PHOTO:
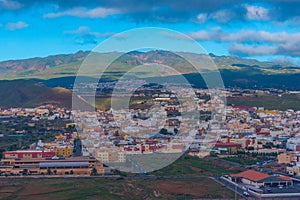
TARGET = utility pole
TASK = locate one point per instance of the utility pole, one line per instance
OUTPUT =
(235, 195)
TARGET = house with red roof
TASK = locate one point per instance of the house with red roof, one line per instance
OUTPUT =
(255, 178)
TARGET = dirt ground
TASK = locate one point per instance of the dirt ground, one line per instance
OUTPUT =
(107, 188)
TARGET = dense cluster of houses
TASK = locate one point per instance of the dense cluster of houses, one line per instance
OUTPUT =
(202, 124)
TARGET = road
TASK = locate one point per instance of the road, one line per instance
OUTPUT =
(232, 187)
(240, 191)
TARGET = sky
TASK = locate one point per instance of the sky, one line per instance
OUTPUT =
(267, 30)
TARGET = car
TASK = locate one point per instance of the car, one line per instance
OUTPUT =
(269, 190)
(245, 193)
(280, 187)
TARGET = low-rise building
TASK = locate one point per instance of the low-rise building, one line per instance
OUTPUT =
(108, 155)
(28, 154)
(286, 158)
(227, 147)
(255, 178)
(63, 151)
(293, 170)
(74, 165)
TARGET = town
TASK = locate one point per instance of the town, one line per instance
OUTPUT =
(264, 142)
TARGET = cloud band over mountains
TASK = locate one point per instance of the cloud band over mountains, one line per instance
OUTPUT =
(169, 10)
(254, 42)
(244, 27)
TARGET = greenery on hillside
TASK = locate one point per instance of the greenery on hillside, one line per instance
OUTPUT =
(68, 64)
(24, 93)
(284, 102)
(187, 165)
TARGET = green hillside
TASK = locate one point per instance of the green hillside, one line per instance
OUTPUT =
(68, 64)
(24, 93)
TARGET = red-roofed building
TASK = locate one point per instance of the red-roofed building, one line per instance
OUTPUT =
(221, 144)
(28, 154)
(252, 177)
(286, 178)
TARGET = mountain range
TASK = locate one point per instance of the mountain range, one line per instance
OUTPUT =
(37, 81)
(67, 64)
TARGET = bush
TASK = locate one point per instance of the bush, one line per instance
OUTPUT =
(250, 148)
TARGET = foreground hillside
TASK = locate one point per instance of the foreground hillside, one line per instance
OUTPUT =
(24, 93)
(102, 188)
(187, 178)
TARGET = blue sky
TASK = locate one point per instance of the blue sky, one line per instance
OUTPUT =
(265, 30)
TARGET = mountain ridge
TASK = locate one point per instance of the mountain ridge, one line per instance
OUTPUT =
(67, 64)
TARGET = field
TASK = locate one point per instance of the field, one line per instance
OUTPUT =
(271, 102)
(108, 188)
(187, 178)
(208, 166)
(290, 101)
(104, 102)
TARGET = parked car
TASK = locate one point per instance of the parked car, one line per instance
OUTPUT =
(245, 193)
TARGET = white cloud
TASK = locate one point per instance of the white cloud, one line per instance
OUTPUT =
(257, 13)
(223, 16)
(84, 30)
(12, 26)
(80, 30)
(9, 5)
(240, 12)
(248, 36)
(201, 18)
(201, 35)
(84, 35)
(286, 50)
(286, 60)
(252, 50)
(82, 12)
(279, 43)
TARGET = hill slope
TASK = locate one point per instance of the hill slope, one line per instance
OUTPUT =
(24, 93)
(68, 64)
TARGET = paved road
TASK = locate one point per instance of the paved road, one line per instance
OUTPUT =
(232, 187)
(240, 191)
(141, 176)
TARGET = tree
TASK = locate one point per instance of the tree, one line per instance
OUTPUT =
(250, 148)
(25, 172)
(163, 131)
(49, 172)
(94, 172)
(176, 131)
(1, 151)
